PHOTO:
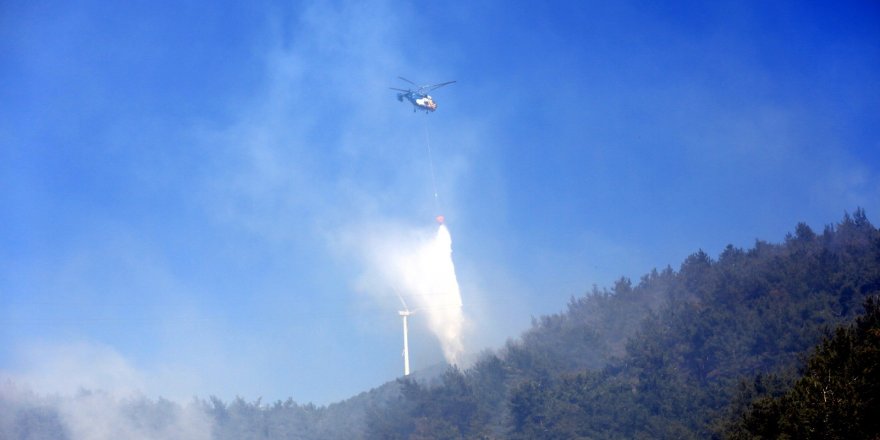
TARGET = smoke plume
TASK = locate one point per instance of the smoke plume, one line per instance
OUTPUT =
(417, 265)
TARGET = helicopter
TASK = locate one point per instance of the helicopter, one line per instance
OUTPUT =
(419, 97)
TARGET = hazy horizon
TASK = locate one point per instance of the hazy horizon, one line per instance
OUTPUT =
(196, 198)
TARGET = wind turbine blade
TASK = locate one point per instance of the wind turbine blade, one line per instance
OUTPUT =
(405, 307)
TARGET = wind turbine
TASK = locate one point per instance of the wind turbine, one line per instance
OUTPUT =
(404, 314)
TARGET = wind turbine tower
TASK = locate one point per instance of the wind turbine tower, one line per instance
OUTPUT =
(404, 314)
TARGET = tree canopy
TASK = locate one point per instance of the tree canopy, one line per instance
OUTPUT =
(781, 340)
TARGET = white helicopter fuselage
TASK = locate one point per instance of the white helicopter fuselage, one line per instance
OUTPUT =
(419, 101)
(426, 103)
(419, 97)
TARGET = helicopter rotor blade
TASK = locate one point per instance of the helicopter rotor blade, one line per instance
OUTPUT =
(400, 90)
(408, 81)
(436, 86)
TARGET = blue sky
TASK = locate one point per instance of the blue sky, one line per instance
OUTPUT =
(190, 192)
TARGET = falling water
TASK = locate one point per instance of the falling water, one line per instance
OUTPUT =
(417, 265)
(442, 297)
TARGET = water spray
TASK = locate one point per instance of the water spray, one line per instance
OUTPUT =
(424, 272)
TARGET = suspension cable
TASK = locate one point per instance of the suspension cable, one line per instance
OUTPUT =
(431, 164)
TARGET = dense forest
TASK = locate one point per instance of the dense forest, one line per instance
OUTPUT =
(672, 356)
(778, 341)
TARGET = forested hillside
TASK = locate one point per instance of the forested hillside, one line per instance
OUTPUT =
(667, 358)
(779, 339)
(837, 396)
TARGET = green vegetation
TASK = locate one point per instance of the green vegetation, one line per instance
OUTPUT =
(670, 357)
(777, 341)
(837, 396)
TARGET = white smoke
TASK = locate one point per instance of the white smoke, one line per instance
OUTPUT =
(417, 265)
(97, 415)
(89, 391)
